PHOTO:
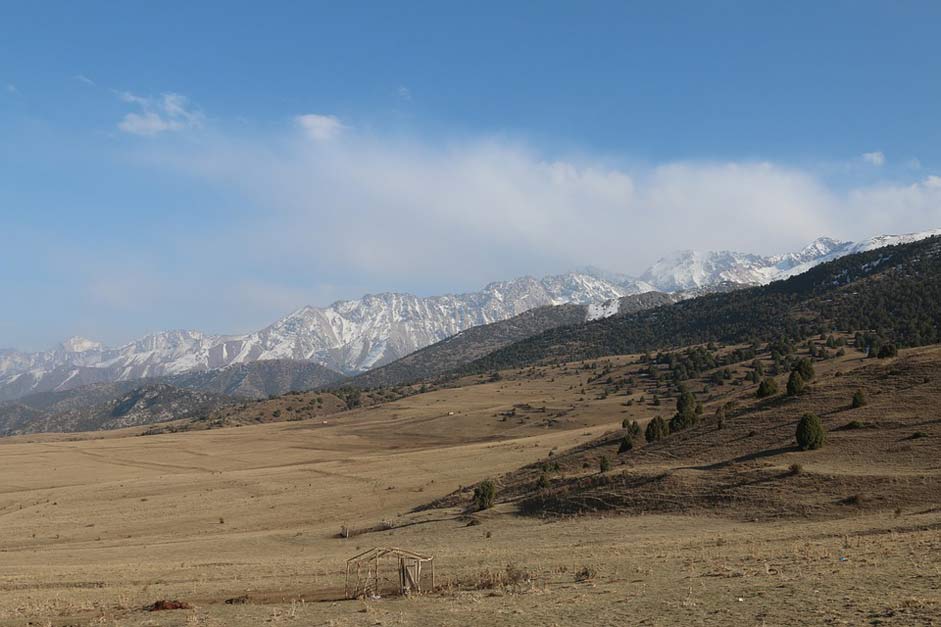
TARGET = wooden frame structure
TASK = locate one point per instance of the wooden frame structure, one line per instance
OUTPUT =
(364, 578)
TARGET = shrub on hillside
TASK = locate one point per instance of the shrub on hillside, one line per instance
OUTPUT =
(720, 417)
(543, 481)
(687, 412)
(604, 464)
(767, 387)
(795, 383)
(810, 433)
(888, 350)
(485, 494)
(633, 430)
(858, 399)
(585, 573)
(626, 445)
(657, 429)
(681, 421)
(806, 369)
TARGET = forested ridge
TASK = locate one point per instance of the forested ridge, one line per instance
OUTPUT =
(893, 292)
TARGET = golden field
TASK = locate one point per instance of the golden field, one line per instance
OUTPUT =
(97, 526)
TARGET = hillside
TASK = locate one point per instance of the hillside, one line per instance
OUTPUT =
(468, 345)
(243, 525)
(895, 292)
(290, 407)
(746, 465)
(144, 405)
(892, 295)
(181, 397)
(463, 348)
(259, 379)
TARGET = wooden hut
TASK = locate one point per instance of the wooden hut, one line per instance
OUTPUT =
(370, 573)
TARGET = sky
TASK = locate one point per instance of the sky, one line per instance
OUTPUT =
(215, 165)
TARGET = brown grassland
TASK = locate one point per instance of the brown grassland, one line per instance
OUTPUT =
(712, 526)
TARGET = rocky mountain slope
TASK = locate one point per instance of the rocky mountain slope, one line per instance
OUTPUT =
(145, 401)
(476, 342)
(357, 335)
(348, 336)
(77, 410)
(258, 379)
(470, 344)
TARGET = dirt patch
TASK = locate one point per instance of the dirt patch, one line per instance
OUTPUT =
(162, 605)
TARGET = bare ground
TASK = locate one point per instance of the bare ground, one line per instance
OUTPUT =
(96, 529)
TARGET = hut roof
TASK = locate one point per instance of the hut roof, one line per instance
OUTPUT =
(382, 551)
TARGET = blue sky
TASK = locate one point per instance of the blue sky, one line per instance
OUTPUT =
(215, 165)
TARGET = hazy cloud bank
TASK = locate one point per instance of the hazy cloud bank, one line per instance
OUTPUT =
(473, 210)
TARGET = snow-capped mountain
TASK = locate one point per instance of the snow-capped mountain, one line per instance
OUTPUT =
(348, 336)
(690, 269)
(356, 335)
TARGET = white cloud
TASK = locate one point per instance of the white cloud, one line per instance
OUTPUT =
(404, 92)
(320, 127)
(416, 214)
(11, 88)
(890, 207)
(308, 222)
(874, 158)
(148, 123)
(169, 112)
(84, 79)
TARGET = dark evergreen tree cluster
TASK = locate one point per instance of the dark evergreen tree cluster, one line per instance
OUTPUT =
(687, 414)
(657, 429)
(693, 362)
(767, 387)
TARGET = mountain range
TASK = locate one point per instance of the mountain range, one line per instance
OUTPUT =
(354, 336)
(886, 297)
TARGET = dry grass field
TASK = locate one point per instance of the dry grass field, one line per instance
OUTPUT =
(95, 527)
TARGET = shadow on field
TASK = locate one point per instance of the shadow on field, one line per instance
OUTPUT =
(771, 452)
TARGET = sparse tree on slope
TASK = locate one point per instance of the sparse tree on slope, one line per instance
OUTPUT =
(810, 433)
(657, 429)
(767, 387)
(795, 383)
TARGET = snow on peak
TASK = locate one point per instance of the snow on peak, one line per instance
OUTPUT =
(690, 269)
(892, 240)
(693, 269)
(354, 335)
(820, 247)
(347, 336)
(78, 344)
(596, 311)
